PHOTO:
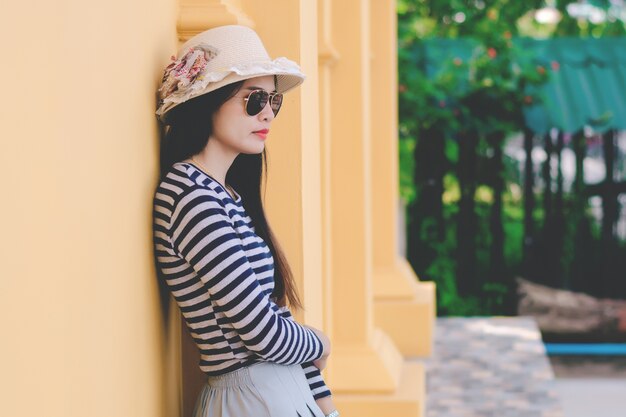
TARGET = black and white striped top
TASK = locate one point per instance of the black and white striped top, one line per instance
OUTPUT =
(221, 275)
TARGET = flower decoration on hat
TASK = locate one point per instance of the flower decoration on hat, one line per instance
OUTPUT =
(182, 72)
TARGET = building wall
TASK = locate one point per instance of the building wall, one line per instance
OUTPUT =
(82, 324)
(87, 329)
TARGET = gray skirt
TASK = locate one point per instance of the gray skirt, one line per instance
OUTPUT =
(263, 389)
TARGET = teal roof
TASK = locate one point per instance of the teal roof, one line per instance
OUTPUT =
(588, 86)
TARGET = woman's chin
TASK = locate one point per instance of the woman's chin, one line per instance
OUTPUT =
(252, 148)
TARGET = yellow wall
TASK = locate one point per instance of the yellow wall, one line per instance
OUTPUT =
(81, 320)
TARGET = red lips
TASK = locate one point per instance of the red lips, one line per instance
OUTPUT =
(262, 133)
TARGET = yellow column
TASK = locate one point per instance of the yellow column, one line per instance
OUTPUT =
(196, 16)
(366, 370)
(399, 297)
(293, 178)
(327, 57)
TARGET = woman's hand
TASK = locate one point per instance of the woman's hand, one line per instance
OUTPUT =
(326, 404)
(321, 362)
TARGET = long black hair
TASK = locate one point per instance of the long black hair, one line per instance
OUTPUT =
(189, 126)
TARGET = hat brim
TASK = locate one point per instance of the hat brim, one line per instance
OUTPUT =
(284, 82)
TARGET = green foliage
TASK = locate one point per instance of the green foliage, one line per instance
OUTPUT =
(407, 164)
(452, 151)
(514, 232)
(483, 92)
(443, 272)
(581, 27)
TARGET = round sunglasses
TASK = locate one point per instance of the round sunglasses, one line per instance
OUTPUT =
(258, 99)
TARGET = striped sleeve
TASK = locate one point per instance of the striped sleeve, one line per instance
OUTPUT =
(203, 234)
(318, 387)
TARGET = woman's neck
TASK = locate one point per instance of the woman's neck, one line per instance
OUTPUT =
(216, 159)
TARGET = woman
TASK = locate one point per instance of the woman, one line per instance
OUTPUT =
(213, 245)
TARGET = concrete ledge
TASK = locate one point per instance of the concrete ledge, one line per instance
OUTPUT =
(374, 368)
(409, 322)
(407, 401)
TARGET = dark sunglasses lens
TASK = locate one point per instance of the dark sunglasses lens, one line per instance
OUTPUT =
(276, 102)
(256, 102)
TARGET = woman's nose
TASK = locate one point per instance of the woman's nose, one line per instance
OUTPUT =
(267, 114)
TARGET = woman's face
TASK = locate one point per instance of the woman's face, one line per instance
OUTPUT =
(233, 127)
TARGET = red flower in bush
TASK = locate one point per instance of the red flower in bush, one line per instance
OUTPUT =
(492, 53)
(555, 65)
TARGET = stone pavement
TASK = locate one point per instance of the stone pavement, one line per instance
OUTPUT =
(488, 367)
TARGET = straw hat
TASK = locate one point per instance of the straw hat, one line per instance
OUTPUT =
(217, 57)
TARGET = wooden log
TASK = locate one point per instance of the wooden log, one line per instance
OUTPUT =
(564, 315)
